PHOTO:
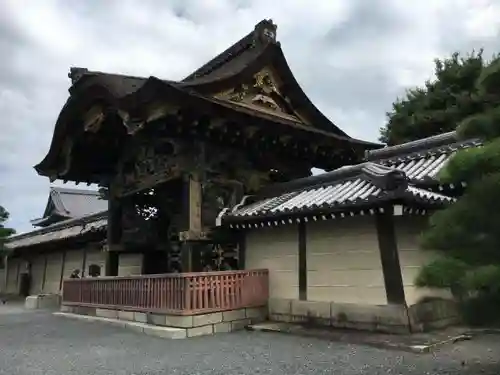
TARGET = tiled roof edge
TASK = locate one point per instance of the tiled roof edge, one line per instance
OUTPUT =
(222, 58)
(414, 146)
(75, 191)
(382, 176)
(61, 225)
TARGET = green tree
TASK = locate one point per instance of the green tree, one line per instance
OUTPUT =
(4, 233)
(467, 233)
(440, 104)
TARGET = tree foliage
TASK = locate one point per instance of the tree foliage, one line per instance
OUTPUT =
(4, 233)
(440, 104)
(467, 233)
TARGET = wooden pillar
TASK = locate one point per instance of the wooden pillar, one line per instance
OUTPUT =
(111, 263)
(187, 257)
(84, 261)
(192, 203)
(114, 225)
(242, 250)
(114, 230)
(44, 271)
(302, 242)
(6, 278)
(18, 271)
(191, 226)
(389, 256)
(63, 265)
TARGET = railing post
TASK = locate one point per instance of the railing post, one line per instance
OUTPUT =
(187, 293)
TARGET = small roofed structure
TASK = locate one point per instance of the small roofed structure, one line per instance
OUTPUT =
(404, 174)
(64, 203)
(71, 235)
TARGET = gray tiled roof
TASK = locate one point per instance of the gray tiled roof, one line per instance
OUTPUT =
(78, 203)
(64, 203)
(355, 186)
(422, 160)
(63, 230)
(404, 172)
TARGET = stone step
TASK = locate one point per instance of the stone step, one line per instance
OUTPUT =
(148, 329)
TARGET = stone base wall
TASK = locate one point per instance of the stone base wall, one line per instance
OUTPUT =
(42, 301)
(195, 325)
(434, 314)
(379, 318)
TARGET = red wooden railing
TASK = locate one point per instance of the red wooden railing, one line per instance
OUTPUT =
(177, 294)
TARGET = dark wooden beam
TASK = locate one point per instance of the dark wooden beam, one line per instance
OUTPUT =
(63, 264)
(389, 256)
(84, 261)
(302, 229)
(111, 263)
(242, 250)
(115, 222)
(44, 271)
(18, 270)
(187, 257)
(6, 267)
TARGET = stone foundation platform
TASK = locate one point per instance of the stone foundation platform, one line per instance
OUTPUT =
(43, 302)
(421, 317)
(173, 326)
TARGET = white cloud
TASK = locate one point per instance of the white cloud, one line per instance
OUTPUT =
(353, 57)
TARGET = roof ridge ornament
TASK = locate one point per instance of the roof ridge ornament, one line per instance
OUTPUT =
(385, 178)
(265, 32)
(76, 73)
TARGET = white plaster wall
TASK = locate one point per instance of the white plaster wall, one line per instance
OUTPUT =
(95, 256)
(12, 277)
(73, 261)
(130, 264)
(37, 270)
(412, 258)
(53, 272)
(275, 248)
(343, 262)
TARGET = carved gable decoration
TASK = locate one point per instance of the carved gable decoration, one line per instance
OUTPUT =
(261, 94)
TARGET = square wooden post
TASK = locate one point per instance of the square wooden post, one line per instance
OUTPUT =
(389, 256)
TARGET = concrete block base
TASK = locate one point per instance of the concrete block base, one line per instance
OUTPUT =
(164, 332)
(379, 318)
(43, 301)
(171, 326)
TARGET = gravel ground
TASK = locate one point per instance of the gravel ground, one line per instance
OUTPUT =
(40, 343)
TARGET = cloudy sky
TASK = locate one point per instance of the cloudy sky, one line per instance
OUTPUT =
(352, 57)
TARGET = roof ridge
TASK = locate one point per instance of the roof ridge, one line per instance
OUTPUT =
(62, 225)
(380, 175)
(261, 31)
(64, 190)
(76, 73)
(413, 146)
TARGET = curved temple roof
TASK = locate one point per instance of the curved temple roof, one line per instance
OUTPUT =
(208, 86)
(64, 203)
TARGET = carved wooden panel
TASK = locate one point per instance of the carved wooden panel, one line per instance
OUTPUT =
(261, 93)
(148, 164)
